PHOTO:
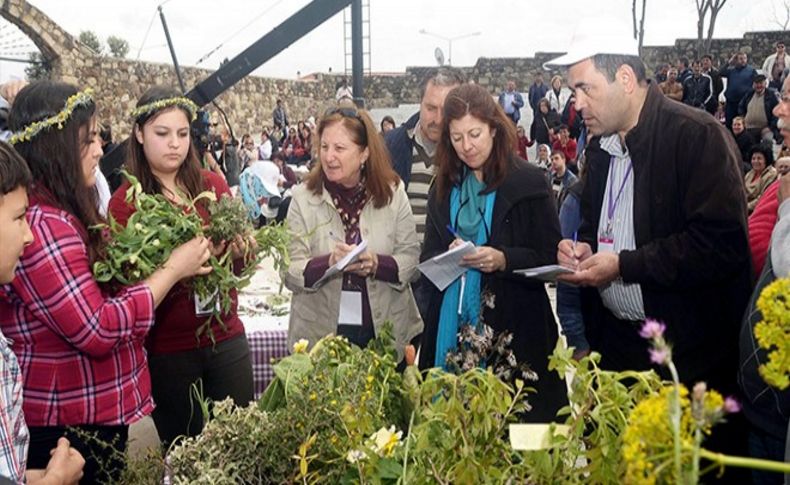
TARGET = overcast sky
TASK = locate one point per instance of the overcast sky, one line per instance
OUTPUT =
(508, 28)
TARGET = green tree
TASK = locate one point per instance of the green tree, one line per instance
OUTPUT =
(90, 39)
(118, 46)
(39, 67)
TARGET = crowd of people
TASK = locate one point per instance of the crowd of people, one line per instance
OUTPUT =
(661, 209)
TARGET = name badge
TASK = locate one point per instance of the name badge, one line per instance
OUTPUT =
(350, 308)
(206, 306)
(605, 244)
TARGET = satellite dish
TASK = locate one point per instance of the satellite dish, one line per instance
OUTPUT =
(439, 55)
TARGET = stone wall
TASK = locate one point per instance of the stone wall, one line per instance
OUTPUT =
(248, 104)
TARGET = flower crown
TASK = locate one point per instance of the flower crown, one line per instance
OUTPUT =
(82, 98)
(179, 101)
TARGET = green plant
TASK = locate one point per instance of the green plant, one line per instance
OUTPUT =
(134, 251)
(118, 47)
(773, 332)
(320, 406)
(229, 219)
(600, 402)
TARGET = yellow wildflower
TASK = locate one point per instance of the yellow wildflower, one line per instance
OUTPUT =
(300, 346)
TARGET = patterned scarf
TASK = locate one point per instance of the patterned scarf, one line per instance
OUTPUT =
(349, 203)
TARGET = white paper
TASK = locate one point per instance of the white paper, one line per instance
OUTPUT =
(206, 306)
(531, 437)
(350, 308)
(544, 273)
(349, 258)
(446, 267)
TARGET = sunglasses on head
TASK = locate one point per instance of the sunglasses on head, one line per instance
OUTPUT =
(345, 112)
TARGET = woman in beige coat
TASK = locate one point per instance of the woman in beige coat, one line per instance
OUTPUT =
(352, 196)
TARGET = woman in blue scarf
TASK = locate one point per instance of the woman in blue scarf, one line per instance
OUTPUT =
(507, 210)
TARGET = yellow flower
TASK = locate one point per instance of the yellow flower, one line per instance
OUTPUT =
(300, 346)
(385, 440)
(773, 332)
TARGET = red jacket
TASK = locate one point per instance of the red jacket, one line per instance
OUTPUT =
(569, 149)
(523, 144)
(176, 321)
(761, 225)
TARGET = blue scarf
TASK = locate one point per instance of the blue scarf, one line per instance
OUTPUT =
(473, 217)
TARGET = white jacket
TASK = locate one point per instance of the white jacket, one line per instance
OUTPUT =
(768, 65)
(558, 103)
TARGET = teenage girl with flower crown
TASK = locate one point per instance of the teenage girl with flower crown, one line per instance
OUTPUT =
(163, 158)
(80, 349)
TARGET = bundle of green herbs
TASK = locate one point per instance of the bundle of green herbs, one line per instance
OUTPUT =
(158, 226)
(321, 405)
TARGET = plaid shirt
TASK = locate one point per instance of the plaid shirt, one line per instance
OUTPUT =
(81, 352)
(13, 431)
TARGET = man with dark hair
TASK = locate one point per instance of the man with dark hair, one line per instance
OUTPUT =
(775, 65)
(280, 119)
(661, 72)
(697, 89)
(757, 108)
(683, 69)
(537, 92)
(412, 145)
(567, 145)
(672, 88)
(739, 77)
(663, 231)
(512, 102)
(65, 466)
(716, 84)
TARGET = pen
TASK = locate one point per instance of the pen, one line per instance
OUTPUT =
(336, 239)
(453, 231)
(575, 238)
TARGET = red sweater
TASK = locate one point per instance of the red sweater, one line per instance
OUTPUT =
(176, 321)
(569, 149)
(761, 225)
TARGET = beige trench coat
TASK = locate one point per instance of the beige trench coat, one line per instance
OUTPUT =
(389, 230)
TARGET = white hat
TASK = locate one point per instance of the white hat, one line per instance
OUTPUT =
(269, 175)
(597, 35)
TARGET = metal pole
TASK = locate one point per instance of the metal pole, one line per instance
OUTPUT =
(172, 51)
(357, 59)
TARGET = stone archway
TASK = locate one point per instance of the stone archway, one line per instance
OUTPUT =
(55, 44)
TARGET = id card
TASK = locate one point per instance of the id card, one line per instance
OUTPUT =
(350, 308)
(605, 244)
(206, 306)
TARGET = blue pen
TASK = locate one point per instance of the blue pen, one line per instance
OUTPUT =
(453, 231)
(575, 238)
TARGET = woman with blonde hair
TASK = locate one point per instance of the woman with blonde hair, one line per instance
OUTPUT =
(558, 95)
(352, 197)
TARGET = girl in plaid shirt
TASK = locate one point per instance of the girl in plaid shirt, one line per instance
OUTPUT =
(80, 350)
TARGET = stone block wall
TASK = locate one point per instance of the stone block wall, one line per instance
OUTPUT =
(249, 103)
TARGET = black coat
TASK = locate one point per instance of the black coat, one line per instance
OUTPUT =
(539, 131)
(525, 227)
(692, 255)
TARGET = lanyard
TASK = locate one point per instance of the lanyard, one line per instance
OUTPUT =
(612, 205)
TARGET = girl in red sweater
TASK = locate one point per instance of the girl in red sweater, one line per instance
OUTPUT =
(164, 160)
